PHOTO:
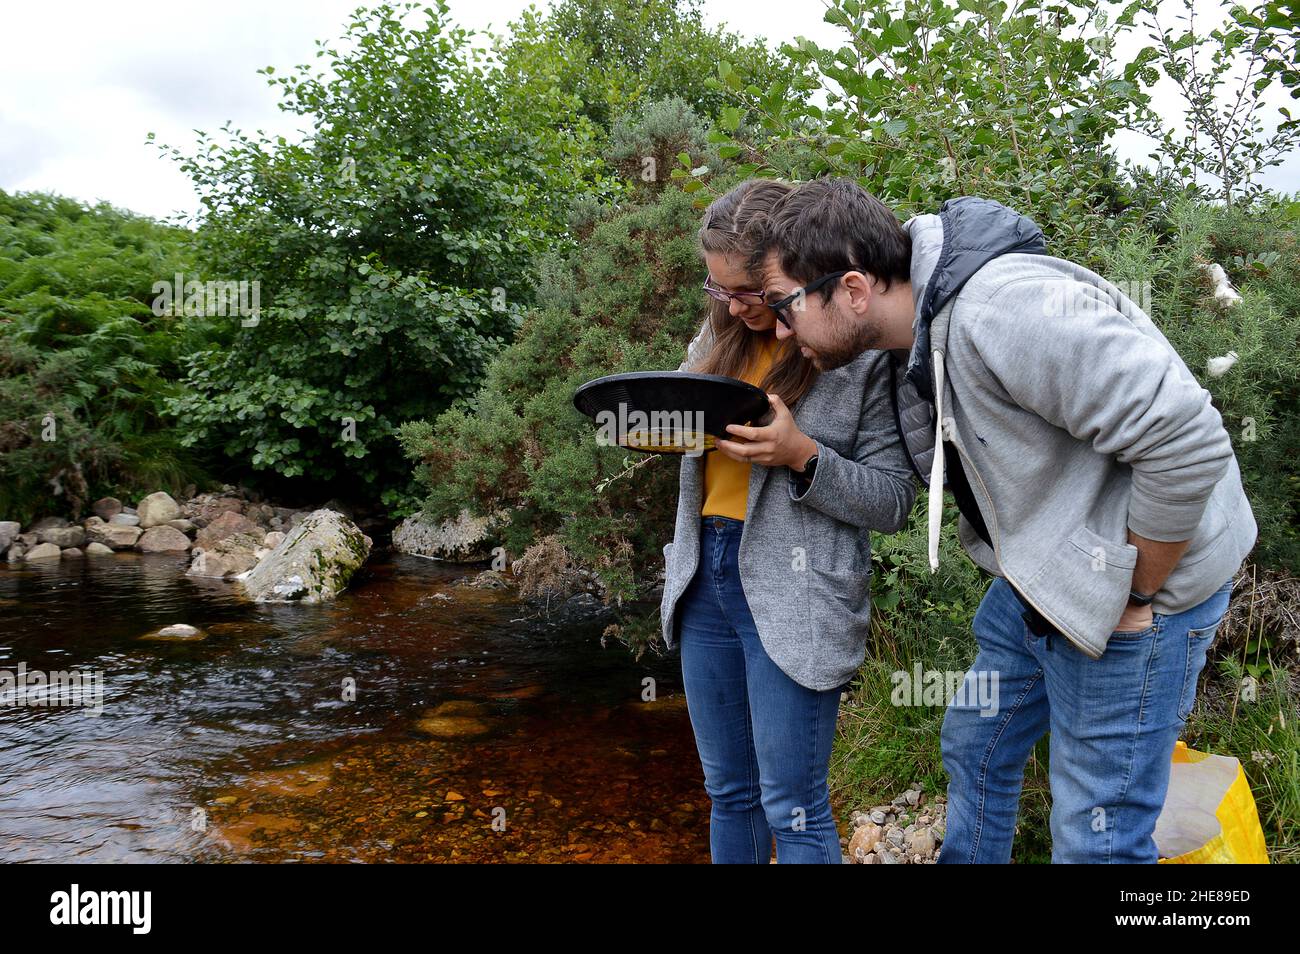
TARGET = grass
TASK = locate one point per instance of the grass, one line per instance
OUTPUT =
(882, 747)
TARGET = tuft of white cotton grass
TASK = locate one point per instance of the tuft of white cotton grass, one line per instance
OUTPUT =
(1218, 367)
(1224, 293)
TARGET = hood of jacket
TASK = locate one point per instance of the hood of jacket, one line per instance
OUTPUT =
(947, 249)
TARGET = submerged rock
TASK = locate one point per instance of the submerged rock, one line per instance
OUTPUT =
(453, 719)
(313, 563)
(176, 633)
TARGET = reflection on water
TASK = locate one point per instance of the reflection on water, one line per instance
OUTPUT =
(473, 734)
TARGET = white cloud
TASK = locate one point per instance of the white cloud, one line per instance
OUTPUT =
(82, 83)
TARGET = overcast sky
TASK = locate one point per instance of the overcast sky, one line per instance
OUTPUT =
(83, 82)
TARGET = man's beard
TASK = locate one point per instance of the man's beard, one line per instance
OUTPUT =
(846, 339)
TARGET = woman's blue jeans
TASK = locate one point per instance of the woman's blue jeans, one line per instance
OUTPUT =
(1113, 723)
(764, 740)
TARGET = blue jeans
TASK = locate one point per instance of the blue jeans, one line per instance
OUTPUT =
(1113, 723)
(764, 740)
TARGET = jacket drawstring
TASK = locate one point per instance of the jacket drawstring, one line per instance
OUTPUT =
(936, 465)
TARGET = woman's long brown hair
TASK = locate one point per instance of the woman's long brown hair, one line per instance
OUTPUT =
(726, 222)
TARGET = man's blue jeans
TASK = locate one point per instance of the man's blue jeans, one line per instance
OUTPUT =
(1113, 723)
(764, 740)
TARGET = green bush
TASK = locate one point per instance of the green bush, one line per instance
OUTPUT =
(1259, 396)
(629, 301)
(85, 365)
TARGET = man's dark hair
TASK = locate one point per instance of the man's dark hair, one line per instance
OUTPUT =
(830, 225)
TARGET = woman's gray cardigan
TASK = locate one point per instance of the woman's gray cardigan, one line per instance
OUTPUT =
(805, 560)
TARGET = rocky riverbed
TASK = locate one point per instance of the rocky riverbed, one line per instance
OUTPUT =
(276, 553)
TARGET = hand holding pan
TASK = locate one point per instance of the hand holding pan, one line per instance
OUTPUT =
(668, 412)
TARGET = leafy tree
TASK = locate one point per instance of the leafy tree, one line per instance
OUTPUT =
(609, 55)
(1221, 74)
(393, 247)
(925, 99)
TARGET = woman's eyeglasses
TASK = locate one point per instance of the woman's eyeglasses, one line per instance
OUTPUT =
(745, 297)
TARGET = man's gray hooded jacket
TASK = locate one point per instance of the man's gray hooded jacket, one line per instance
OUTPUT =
(1074, 420)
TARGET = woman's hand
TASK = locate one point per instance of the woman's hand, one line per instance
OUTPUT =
(778, 443)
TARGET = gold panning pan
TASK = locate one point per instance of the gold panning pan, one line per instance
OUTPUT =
(668, 412)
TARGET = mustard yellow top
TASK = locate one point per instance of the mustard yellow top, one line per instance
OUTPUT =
(726, 481)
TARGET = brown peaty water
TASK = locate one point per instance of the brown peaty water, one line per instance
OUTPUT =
(474, 733)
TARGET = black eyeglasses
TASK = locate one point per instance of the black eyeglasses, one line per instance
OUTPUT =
(782, 307)
(745, 297)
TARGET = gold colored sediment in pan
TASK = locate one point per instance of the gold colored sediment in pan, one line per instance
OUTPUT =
(669, 442)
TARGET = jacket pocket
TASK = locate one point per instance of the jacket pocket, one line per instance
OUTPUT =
(1103, 552)
(843, 591)
(1082, 587)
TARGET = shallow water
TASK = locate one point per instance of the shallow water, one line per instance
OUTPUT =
(475, 733)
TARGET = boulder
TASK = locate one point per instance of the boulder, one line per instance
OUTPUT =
(72, 552)
(205, 508)
(157, 509)
(467, 539)
(63, 537)
(124, 519)
(28, 539)
(93, 521)
(273, 539)
(9, 530)
(181, 524)
(163, 539)
(106, 508)
(115, 536)
(261, 514)
(16, 552)
(227, 524)
(47, 523)
(229, 556)
(98, 549)
(313, 563)
(43, 551)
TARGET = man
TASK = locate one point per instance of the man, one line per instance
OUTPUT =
(1094, 478)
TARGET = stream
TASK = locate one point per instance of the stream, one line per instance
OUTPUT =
(477, 731)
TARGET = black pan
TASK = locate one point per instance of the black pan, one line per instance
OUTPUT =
(668, 412)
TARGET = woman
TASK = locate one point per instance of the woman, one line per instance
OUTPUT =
(767, 578)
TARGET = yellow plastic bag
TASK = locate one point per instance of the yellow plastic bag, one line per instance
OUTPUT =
(1209, 816)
